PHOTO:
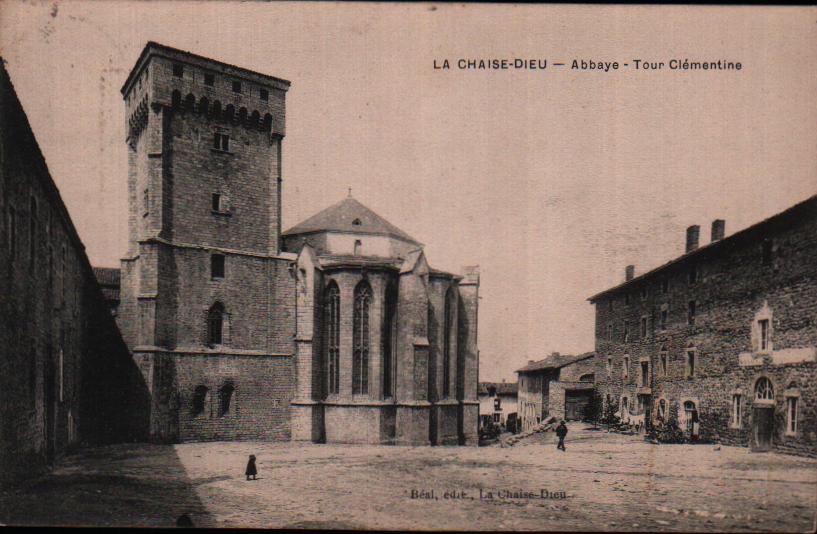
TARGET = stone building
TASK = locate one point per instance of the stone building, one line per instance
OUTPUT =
(337, 330)
(385, 345)
(560, 386)
(725, 332)
(66, 377)
(497, 403)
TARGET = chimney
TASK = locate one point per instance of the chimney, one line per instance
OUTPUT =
(629, 273)
(692, 237)
(555, 354)
(718, 229)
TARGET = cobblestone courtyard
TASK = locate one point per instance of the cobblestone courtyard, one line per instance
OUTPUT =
(610, 482)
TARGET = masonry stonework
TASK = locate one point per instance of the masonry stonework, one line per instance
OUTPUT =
(717, 323)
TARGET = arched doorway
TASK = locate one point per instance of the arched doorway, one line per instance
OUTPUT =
(762, 415)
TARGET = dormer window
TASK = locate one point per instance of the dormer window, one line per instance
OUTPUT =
(209, 79)
(263, 94)
(178, 70)
(236, 87)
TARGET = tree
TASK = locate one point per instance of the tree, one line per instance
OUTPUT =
(610, 418)
(593, 410)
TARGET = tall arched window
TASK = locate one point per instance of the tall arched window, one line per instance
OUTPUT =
(447, 330)
(360, 339)
(225, 397)
(388, 337)
(199, 400)
(215, 324)
(764, 390)
(332, 337)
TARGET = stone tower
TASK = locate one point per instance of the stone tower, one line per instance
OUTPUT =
(207, 306)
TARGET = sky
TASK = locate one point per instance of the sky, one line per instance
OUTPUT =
(552, 180)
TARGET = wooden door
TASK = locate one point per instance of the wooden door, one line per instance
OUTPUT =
(762, 428)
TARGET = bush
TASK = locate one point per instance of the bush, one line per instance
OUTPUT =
(610, 418)
(668, 431)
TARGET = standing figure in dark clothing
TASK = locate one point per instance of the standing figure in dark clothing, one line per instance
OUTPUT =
(561, 431)
(251, 469)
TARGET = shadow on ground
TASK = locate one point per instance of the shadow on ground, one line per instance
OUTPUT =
(108, 486)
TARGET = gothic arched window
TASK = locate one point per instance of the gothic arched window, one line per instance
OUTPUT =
(360, 339)
(447, 330)
(199, 400)
(332, 333)
(764, 390)
(225, 395)
(215, 324)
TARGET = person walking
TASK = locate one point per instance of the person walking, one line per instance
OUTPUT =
(561, 432)
(251, 470)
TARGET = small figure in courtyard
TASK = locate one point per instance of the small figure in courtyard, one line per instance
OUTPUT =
(561, 432)
(251, 469)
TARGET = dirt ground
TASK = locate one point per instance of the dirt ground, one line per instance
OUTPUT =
(602, 482)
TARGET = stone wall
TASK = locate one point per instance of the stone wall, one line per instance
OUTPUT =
(66, 377)
(766, 272)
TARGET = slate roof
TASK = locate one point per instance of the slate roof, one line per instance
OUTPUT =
(555, 361)
(806, 208)
(502, 388)
(109, 281)
(340, 217)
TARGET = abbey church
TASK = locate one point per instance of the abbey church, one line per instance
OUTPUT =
(336, 330)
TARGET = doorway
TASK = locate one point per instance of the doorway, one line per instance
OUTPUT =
(762, 428)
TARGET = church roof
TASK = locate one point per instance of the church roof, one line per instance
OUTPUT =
(349, 216)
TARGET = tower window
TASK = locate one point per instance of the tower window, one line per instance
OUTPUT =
(221, 141)
(625, 368)
(220, 203)
(215, 324)
(664, 314)
(690, 367)
(665, 285)
(643, 328)
(764, 334)
(199, 400)
(209, 79)
(236, 87)
(356, 222)
(264, 94)
(145, 202)
(358, 247)
(691, 312)
(225, 397)
(626, 336)
(217, 266)
(178, 70)
(448, 330)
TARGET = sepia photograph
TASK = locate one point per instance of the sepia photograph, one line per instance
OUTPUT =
(408, 266)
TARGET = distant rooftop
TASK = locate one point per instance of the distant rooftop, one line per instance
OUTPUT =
(555, 361)
(501, 388)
